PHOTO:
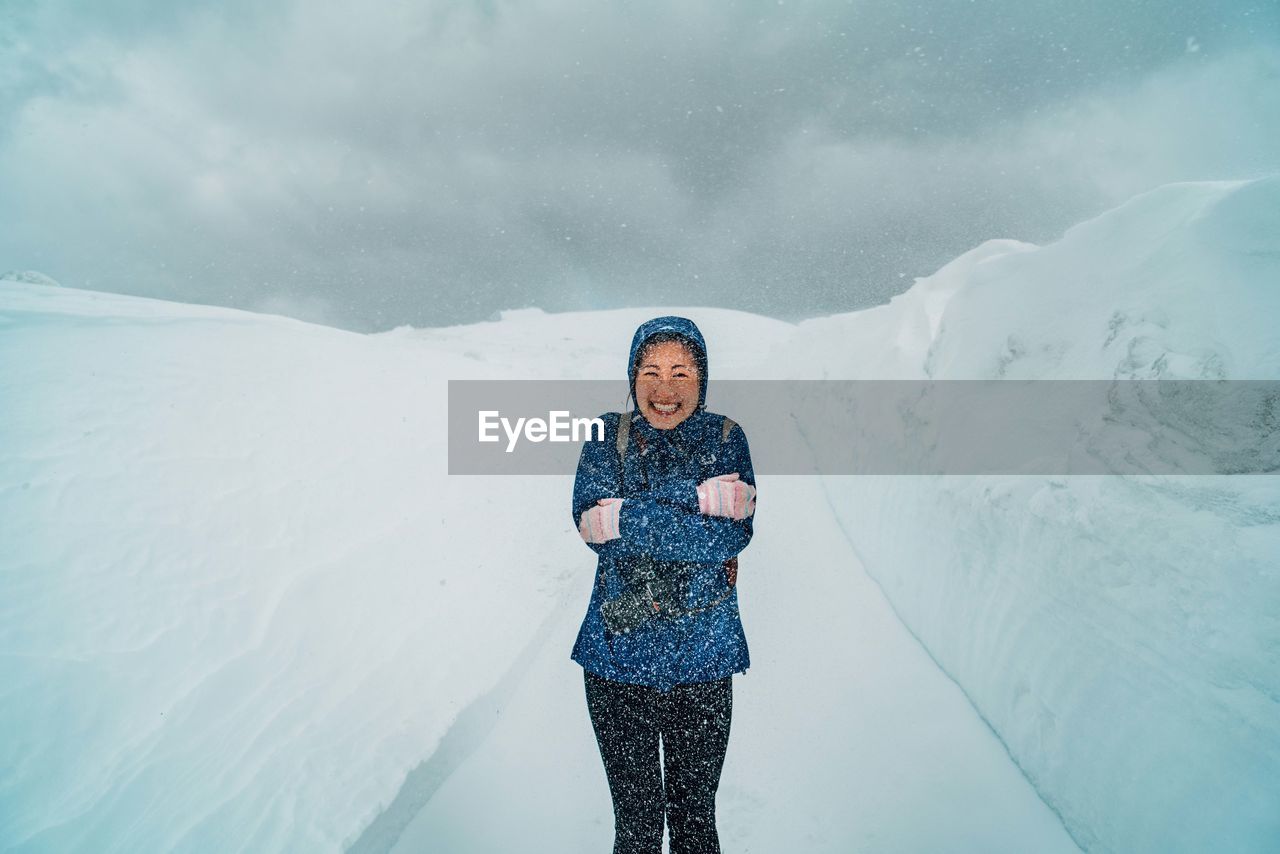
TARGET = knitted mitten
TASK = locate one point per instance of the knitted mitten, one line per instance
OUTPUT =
(726, 495)
(600, 523)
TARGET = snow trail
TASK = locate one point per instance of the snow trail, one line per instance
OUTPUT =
(845, 732)
(464, 736)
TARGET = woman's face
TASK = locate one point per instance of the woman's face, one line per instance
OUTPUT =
(667, 384)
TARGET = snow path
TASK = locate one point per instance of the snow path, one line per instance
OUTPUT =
(846, 735)
(244, 600)
(468, 731)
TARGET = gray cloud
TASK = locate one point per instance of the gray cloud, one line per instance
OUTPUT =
(372, 166)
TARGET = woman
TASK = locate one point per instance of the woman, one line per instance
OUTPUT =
(666, 500)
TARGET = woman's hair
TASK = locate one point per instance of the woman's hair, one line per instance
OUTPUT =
(663, 337)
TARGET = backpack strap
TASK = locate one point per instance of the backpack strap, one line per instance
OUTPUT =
(624, 431)
(726, 428)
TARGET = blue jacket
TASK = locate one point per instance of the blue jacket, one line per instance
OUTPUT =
(660, 518)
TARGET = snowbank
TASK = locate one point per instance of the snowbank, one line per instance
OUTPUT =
(1121, 634)
(243, 599)
(242, 596)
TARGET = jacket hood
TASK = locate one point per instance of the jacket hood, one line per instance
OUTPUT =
(682, 326)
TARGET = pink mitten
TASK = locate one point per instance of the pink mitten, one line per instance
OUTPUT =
(726, 495)
(600, 523)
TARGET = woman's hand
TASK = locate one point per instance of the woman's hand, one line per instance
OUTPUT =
(600, 523)
(726, 495)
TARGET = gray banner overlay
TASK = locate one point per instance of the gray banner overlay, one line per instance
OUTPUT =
(804, 427)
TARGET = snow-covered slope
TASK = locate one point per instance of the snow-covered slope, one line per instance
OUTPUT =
(242, 596)
(1121, 634)
(246, 608)
(845, 734)
(222, 533)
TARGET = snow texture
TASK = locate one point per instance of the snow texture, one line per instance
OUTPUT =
(33, 277)
(1120, 634)
(246, 608)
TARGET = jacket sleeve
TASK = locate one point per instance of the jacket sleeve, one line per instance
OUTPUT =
(597, 478)
(662, 522)
(665, 523)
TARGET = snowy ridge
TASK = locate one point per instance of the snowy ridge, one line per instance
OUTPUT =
(243, 598)
(1120, 634)
(246, 609)
(193, 581)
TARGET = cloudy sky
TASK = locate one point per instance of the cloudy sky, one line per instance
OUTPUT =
(369, 165)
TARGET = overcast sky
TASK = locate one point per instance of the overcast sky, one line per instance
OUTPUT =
(369, 165)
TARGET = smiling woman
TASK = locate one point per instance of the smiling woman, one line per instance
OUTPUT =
(667, 500)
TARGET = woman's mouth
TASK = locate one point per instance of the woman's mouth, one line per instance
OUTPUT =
(665, 408)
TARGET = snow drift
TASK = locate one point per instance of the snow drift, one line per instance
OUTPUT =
(243, 599)
(1121, 634)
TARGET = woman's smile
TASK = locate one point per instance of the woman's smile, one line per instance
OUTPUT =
(664, 410)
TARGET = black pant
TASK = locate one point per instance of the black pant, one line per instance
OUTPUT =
(693, 722)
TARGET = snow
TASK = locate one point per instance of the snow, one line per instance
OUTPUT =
(845, 736)
(34, 277)
(1119, 633)
(247, 609)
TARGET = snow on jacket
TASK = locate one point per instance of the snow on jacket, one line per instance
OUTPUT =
(660, 519)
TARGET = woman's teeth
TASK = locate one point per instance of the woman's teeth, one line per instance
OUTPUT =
(666, 408)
